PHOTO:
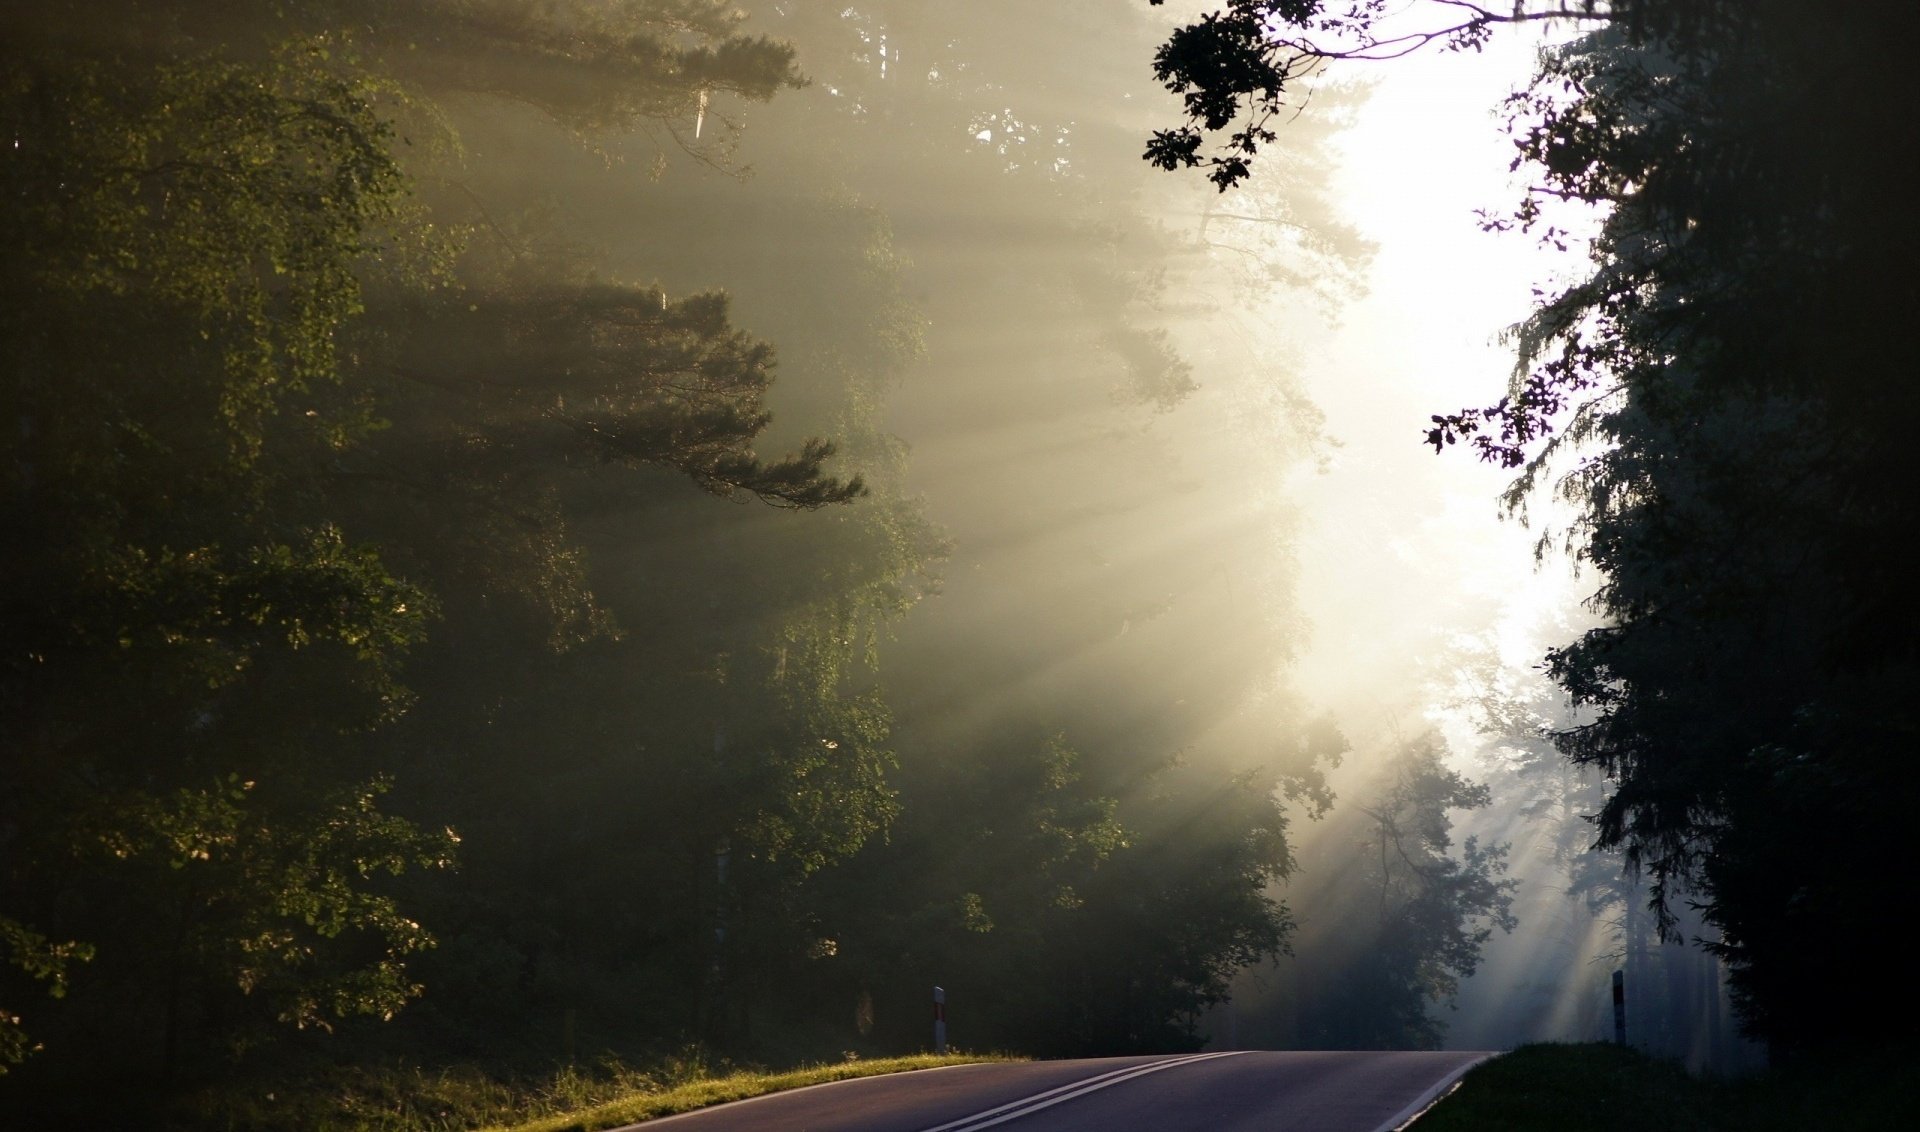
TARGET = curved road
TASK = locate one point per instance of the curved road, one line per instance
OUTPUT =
(1214, 1092)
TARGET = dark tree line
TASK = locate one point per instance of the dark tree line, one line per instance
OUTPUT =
(1726, 400)
(1585, 915)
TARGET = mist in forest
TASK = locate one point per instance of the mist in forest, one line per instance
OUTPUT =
(596, 530)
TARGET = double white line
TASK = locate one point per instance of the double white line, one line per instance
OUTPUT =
(1013, 1110)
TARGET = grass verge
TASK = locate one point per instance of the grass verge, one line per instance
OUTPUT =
(731, 1087)
(1605, 1088)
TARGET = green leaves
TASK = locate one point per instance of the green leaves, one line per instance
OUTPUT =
(264, 445)
(238, 201)
(263, 893)
(188, 243)
(43, 960)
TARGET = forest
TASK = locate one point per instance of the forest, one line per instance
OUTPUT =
(586, 535)
(1719, 404)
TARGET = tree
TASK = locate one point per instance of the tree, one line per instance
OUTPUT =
(218, 283)
(1741, 494)
(669, 69)
(182, 251)
(1721, 401)
(1239, 68)
(1586, 915)
(1076, 924)
(1427, 912)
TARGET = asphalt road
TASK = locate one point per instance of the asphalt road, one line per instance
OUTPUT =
(1209, 1092)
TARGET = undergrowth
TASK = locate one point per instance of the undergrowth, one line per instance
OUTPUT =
(1605, 1088)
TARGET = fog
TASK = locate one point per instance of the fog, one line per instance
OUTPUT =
(822, 539)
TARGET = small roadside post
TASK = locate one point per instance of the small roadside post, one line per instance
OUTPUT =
(939, 1020)
(1620, 1008)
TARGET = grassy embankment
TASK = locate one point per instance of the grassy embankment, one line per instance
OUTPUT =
(731, 1087)
(361, 1098)
(1604, 1088)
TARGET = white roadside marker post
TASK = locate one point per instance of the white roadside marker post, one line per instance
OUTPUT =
(1620, 1008)
(939, 1020)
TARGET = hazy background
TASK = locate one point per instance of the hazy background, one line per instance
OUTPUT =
(1107, 645)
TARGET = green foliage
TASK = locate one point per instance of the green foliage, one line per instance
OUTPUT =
(404, 1095)
(44, 961)
(1578, 1087)
(222, 209)
(1073, 924)
(561, 373)
(217, 286)
(721, 1089)
(1441, 910)
(1241, 67)
(185, 244)
(1715, 360)
(1177, 913)
(261, 901)
(1723, 405)
(1427, 912)
(595, 69)
(362, 493)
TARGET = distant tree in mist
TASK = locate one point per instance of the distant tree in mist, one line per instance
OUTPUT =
(1413, 911)
(1586, 916)
(1062, 928)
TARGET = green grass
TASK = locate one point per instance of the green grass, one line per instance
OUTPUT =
(1604, 1088)
(399, 1096)
(731, 1087)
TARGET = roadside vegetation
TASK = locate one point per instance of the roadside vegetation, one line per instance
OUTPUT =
(738, 1086)
(1604, 1088)
(606, 1093)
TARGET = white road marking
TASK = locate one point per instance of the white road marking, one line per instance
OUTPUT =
(1426, 1100)
(654, 1122)
(1014, 1109)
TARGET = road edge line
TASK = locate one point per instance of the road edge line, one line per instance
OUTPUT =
(657, 1121)
(1431, 1097)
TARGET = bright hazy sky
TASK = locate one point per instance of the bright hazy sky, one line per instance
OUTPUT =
(1404, 548)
